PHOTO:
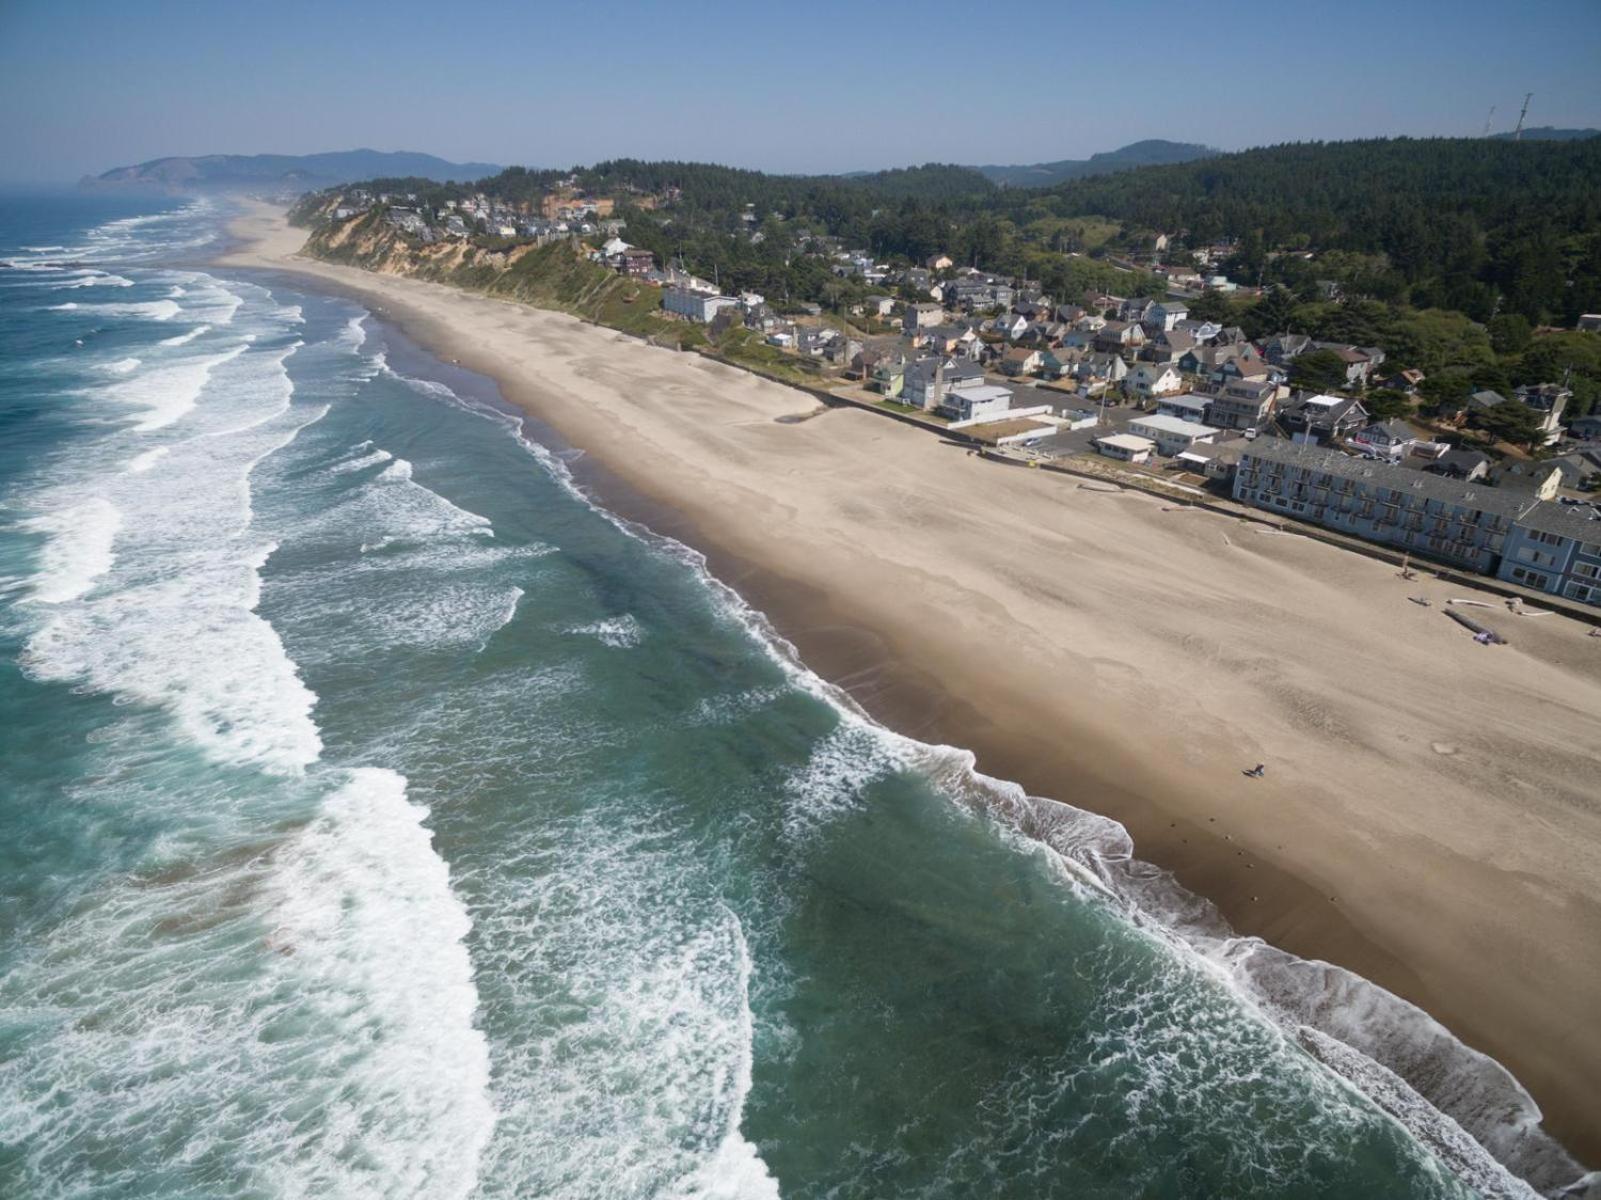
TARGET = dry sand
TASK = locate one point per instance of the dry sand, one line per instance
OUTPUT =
(1431, 813)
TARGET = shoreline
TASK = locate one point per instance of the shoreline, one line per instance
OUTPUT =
(964, 604)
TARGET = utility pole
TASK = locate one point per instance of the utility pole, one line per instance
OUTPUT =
(1517, 134)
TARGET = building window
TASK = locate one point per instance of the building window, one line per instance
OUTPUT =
(1531, 578)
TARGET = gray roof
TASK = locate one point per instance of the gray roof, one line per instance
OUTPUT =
(1250, 388)
(1377, 474)
(1463, 459)
(923, 369)
(1395, 429)
(1579, 522)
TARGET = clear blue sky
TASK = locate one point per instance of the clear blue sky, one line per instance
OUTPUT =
(823, 86)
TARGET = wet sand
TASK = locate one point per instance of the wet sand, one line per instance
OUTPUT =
(1431, 813)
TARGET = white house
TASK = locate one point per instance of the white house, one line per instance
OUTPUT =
(1125, 447)
(1010, 326)
(1165, 315)
(983, 400)
(1172, 435)
(697, 306)
(1153, 379)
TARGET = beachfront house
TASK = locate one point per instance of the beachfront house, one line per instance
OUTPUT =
(975, 403)
(888, 377)
(1125, 447)
(1216, 461)
(696, 306)
(1463, 524)
(1556, 548)
(1172, 435)
(926, 382)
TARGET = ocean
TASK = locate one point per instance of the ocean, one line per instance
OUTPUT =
(380, 816)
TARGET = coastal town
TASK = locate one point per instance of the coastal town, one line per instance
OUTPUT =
(1145, 388)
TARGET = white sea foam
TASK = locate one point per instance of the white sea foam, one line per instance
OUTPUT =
(123, 366)
(79, 549)
(638, 1081)
(152, 310)
(620, 633)
(210, 301)
(301, 1021)
(434, 563)
(140, 463)
(183, 339)
(99, 279)
(371, 459)
(168, 391)
(362, 908)
(298, 1017)
(354, 334)
(173, 624)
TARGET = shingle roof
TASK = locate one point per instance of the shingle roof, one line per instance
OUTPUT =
(1375, 474)
(1564, 520)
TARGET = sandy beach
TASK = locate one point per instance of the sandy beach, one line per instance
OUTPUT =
(1431, 813)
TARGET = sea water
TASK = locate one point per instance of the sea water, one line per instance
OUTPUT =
(381, 817)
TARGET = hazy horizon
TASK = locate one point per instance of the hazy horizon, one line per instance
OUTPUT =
(834, 89)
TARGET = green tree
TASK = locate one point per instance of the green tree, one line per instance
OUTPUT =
(1269, 315)
(1387, 403)
(1511, 422)
(1211, 306)
(1510, 333)
(1318, 371)
(1446, 392)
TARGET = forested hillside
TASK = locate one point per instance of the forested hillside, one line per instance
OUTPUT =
(1476, 225)
(1137, 154)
